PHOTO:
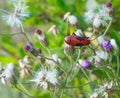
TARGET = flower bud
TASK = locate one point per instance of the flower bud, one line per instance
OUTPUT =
(38, 32)
(30, 48)
(43, 40)
(54, 30)
(73, 20)
(109, 7)
(114, 44)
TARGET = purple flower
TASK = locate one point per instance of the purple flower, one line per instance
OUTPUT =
(29, 47)
(108, 4)
(38, 31)
(86, 64)
(39, 51)
(107, 45)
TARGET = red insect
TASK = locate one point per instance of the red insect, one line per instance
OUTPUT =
(74, 40)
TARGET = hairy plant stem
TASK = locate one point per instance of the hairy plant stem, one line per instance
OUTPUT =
(70, 71)
(10, 34)
(107, 28)
(118, 65)
(25, 35)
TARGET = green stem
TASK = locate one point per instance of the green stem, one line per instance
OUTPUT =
(61, 95)
(107, 28)
(26, 92)
(10, 34)
(85, 73)
(25, 35)
(67, 29)
(118, 65)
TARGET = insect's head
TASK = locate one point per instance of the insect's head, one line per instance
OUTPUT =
(67, 39)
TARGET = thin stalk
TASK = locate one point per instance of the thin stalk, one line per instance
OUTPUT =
(26, 92)
(85, 73)
(9, 34)
(118, 65)
(107, 28)
(54, 94)
(61, 95)
(74, 65)
(25, 35)
(67, 29)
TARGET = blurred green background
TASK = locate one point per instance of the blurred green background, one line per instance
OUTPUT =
(43, 14)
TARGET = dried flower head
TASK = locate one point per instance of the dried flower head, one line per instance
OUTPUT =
(17, 16)
(71, 19)
(8, 74)
(45, 76)
(25, 67)
(54, 30)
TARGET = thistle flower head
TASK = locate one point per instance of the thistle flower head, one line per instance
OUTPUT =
(17, 16)
(29, 47)
(25, 67)
(45, 76)
(38, 32)
(71, 19)
(8, 74)
(43, 40)
(89, 16)
(86, 64)
(108, 4)
(54, 30)
(107, 45)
